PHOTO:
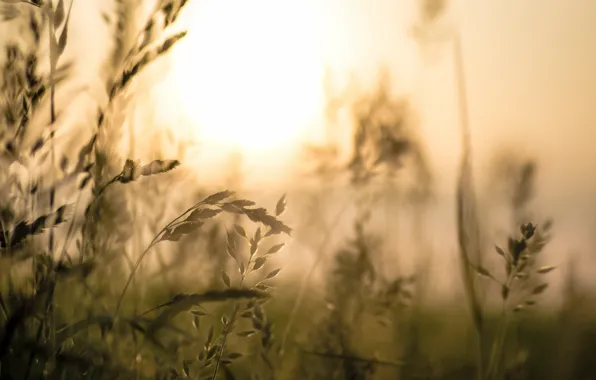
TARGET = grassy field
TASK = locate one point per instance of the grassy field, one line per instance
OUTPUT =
(108, 273)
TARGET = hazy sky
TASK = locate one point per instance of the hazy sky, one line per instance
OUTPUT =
(530, 69)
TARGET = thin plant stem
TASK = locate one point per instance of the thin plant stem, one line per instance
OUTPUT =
(497, 347)
(465, 190)
(227, 325)
(134, 269)
(70, 231)
(155, 240)
(53, 61)
(224, 338)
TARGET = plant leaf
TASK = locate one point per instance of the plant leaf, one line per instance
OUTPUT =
(241, 203)
(24, 229)
(546, 269)
(540, 288)
(59, 14)
(259, 263)
(130, 171)
(500, 251)
(186, 368)
(483, 271)
(254, 246)
(260, 215)
(275, 248)
(230, 207)
(231, 246)
(262, 287)
(240, 230)
(203, 213)
(281, 206)
(273, 274)
(225, 278)
(159, 166)
(217, 197)
(64, 35)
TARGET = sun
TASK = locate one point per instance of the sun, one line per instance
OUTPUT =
(249, 73)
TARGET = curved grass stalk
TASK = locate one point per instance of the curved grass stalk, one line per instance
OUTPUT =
(134, 270)
(467, 218)
(155, 240)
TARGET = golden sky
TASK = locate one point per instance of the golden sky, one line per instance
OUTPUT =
(531, 75)
(529, 69)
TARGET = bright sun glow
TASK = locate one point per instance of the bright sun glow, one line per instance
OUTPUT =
(250, 72)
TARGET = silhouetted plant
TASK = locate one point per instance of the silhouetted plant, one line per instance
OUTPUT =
(39, 339)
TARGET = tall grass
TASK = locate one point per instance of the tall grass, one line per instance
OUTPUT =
(41, 339)
(208, 310)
